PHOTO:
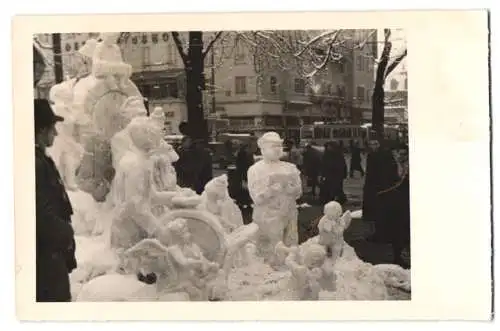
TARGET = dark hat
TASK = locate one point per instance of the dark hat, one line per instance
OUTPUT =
(44, 115)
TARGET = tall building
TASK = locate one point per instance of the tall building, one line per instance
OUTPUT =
(253, 97)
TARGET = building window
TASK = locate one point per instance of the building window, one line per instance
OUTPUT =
(368, 66)
(135, 40)
(164, 36)
(240, 85)
(154, 38)
(83, 42)
(394, 84)
(341, 66)
(144, 38)
(299, 86)
(406, 83)
(361, 93)
(368, 95)
(239, 57)
(274, 84)
(359, 63)
(145, 56)
(68, 47)
(77, 46)
(227, 93)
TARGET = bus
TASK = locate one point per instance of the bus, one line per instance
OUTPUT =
(321, 133)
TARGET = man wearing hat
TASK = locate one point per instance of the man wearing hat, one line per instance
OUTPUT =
(55, 244)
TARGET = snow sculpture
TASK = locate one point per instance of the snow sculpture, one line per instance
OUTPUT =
(66, 151)
(216, 199)
(274, 187)
(107, 62)
(132, 190)
(103, 107)
(187, 256)
(309, 272)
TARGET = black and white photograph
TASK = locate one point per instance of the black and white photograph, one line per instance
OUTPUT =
(232, 165)
(228, 165)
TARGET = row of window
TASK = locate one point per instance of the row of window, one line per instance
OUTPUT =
(364, 63)
(144, 38)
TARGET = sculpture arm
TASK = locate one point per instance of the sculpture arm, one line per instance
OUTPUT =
(257, 187)
(137, 186)
(178, 256)
(108, 61)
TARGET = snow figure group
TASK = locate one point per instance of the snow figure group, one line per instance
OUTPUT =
(132, 220)
(336, 272)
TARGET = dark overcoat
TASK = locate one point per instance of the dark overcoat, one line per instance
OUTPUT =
(55, 243)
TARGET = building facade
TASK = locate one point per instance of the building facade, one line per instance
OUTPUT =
(252, 99)
(249, 96)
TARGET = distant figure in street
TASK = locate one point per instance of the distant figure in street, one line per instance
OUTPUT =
(204, 168)
(55, 243)
(311, 167)
(355, 159)
(381, 174)
(295, 156)
(228, 153)
(394, 203)
(244, 160)
(333, 173)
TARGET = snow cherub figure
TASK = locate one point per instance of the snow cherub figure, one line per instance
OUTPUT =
(274, 187)
(309, 272)
(331, 229)
(107, 62)
(191, 272)
(216, 199)
(66, 151)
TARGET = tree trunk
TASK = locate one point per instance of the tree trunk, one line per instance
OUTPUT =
(378, 90)
(195, 84)
(58, 65)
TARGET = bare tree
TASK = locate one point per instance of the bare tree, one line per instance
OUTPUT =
(193, 55)
(384, 68)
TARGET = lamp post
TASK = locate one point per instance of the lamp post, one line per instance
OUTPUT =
(58, 65)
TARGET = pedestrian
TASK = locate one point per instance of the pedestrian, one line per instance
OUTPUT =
(333, 172)
(381, 173)
(244, 160)
(394, 204)
(355, 164)
(204, 170)
(311, 167)
(55, 243)
(295, 155)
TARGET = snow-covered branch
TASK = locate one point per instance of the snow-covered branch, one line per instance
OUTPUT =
(178, 44)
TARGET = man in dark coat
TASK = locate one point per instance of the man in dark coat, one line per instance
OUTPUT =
(333, 173)
(394, 204)
(55, 244)
(355, 160)
(311, 161)
(381, 173)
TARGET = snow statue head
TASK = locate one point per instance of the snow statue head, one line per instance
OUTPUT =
(61, 94)
(333, 210)
(271, 146)
(144, 134)
(109, 38)
(87, 53)
(178, 231)
(314, 256)
(158, 116)
(216, 189)
(132, 107)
